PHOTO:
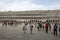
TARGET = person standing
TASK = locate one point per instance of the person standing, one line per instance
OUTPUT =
(46, 27)
(38, 26)
(43, 25)
(55, 29)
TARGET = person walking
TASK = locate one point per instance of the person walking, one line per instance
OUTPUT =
(55, 29)
(31, 27)
(25, 28)
(49, 26)
(40, 26)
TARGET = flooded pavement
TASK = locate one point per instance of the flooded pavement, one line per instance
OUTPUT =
(16, 33)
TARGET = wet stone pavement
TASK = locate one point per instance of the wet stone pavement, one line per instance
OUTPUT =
(16, 33)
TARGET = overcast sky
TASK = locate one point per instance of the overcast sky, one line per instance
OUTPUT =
(21, 5)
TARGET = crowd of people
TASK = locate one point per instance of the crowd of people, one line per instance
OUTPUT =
(6, 23)
(40, 25)
(46, 26)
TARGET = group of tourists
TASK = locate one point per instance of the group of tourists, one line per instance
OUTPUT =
(45, 26)
(30, 26)
(38, 25)
(9, 23)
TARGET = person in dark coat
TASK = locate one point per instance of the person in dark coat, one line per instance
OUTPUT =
(55, 29)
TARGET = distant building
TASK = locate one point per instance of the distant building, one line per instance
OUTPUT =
(46, 15)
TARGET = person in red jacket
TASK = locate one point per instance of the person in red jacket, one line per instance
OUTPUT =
(46, 27)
